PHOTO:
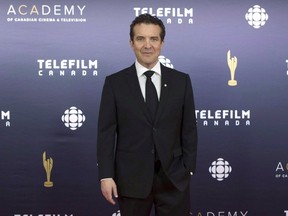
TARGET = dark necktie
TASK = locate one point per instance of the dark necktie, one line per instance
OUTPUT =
(151, 94)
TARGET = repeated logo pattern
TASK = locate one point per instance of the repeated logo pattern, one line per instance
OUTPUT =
(73, 118)
(165, 61)
(256, 16)
(220, 169)
(117, 213)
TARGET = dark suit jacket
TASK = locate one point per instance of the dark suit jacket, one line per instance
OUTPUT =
(127, 134)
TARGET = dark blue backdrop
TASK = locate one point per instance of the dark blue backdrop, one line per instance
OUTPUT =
(248, 153)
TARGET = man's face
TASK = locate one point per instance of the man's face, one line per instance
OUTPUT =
(147, 44)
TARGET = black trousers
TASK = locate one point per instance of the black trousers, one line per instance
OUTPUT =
(166, 198)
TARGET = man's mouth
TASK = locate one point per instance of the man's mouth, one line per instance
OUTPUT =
(147, 53)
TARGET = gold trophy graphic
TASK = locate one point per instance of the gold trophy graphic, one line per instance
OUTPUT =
(48, 165)
(232, 63)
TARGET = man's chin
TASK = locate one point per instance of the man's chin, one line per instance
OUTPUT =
(150, 61)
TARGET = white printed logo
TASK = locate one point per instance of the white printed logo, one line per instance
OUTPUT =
(5, 117)
(169, 15)
(73, 118)
(256, 16)
(282, 170)
(287, 66)
(117, 213)
(165, 61)
(220, 169)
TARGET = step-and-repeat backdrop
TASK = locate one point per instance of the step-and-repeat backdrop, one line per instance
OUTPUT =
(54, 56)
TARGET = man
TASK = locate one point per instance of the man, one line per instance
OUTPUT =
(146, 148)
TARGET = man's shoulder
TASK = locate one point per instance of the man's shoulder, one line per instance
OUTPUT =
(173, 72)
(122, 72)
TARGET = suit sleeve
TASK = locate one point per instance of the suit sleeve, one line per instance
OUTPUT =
(107, 124)
(189, 129)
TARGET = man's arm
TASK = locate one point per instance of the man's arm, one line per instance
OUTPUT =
(106, 132)
(189, 129)
(106, 142)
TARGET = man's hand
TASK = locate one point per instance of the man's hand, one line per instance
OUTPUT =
(109, 189)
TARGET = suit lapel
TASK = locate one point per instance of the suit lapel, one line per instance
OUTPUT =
(135, 89)
(164, 95)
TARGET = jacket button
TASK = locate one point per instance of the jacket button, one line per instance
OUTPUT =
(153, 151)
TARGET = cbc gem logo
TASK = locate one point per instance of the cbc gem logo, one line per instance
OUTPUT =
(256, 16)
(73, 118)
(220, 169)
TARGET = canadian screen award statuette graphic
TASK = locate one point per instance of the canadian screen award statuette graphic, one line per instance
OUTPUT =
(220, 169)
(232, 64)
(48, 166)
(73, 118)
(256, 16)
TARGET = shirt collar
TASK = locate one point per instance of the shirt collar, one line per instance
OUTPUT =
(140, 69)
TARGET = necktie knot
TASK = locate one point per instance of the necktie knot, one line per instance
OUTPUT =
(149, 74)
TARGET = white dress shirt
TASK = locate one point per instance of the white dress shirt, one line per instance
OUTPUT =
(156, 78)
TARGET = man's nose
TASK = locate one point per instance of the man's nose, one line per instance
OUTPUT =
(147, 44)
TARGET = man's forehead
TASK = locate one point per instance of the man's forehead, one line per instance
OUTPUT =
(147, 25)
(144, 29)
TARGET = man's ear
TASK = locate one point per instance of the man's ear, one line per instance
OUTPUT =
(131, 42)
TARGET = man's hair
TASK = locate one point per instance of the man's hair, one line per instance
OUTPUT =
(147, 19)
